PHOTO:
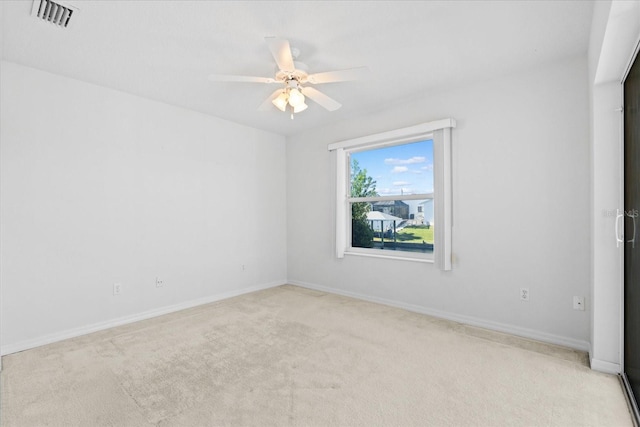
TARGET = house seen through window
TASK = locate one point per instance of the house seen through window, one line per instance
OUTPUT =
(391, 197)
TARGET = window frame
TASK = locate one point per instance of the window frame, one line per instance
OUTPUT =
(440, 132)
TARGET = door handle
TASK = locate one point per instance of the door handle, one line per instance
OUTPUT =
(633, 216)
(617, 230)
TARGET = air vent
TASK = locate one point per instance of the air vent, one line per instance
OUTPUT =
(54, 12)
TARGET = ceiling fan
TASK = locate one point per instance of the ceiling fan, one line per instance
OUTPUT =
(291, 76)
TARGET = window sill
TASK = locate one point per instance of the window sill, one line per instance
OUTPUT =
(395, 257)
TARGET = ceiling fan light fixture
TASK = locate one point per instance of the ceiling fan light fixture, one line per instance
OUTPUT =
(281, 101)
(296, 98)
(300, 108)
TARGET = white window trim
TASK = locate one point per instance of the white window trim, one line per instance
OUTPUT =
(440, 132)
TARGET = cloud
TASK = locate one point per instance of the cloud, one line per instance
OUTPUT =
(400, 183)
(399, 169)
(427, 167)
(394, 191)
(411, 161)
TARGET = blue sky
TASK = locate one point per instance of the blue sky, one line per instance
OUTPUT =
(401, 169)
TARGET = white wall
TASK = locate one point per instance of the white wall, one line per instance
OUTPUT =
(521, 207)
(99, 187)
(615, 33)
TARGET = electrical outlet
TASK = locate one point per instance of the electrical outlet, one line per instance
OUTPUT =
(578, 303)
(524, 294)
(243, 267)
(117, 288)
(159, 282)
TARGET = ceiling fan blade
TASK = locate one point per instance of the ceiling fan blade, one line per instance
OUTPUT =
(240, 79)
(322, 99)
(338, 76)
(267, 105)
(281, 52)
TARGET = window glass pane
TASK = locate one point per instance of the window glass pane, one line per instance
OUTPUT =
(393, 225)
(399, 225)
(393, 171)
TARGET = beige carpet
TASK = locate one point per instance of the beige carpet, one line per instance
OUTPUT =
(294, 357)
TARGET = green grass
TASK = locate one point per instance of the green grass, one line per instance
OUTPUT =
(412, 234)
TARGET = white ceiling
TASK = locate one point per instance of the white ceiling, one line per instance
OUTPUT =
(164, 50)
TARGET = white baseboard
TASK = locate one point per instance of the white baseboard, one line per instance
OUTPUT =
(467, 320)
(95, 327)
(603, 366)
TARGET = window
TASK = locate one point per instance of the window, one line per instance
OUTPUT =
(394, 194)
(389, 187)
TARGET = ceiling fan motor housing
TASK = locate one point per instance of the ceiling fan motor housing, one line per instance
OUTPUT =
(292, 83)
(300, 73)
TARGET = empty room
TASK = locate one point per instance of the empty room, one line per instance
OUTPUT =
(319, 213)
